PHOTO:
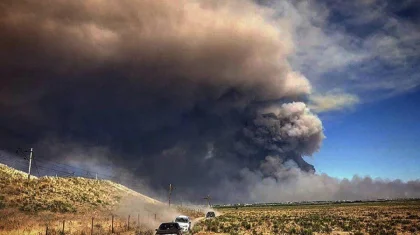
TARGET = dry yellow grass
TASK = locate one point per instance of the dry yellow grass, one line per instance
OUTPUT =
(28, 207)
(61, 194)
(401, 217)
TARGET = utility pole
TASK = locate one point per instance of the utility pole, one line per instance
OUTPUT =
(170, 193)
(30, 164)
(208, 200)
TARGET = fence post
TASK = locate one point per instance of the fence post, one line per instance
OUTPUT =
(155, 216)
(138, 219)
(128, 223)
(112, 224)
(91, 228)
(63, 226)
(46, 230)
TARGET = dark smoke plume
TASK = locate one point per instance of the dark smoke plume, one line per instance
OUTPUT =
(186, 92)
(157, 82)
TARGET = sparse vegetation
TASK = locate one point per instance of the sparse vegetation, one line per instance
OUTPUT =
(385, 218)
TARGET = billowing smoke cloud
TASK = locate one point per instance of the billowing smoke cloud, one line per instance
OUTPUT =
(290, 131)
(185, 92)
(157, 82)
(91, 68)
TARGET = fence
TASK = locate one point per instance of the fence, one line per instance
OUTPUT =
(103, 225)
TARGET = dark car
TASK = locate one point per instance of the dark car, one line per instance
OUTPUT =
(210, 214)
(169, 228)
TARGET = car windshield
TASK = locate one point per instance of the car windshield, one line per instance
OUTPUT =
(181, 220)
(168, 226)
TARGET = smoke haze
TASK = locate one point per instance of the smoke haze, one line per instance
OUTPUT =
(277, 180)
(188, 92)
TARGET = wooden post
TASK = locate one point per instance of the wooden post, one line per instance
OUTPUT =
(112, 224)
(63, 226)
(169, 195)
(128, 223)
(155, 216)
(46, 230)
(138, 220)
(171, 188)
(91, 228)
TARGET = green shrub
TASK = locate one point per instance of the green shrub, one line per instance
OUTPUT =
(306, 232)
(60, 206)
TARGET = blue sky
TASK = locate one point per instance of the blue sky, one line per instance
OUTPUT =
(362, 59)
(378, 139)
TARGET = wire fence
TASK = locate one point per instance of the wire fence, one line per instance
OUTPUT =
(101, 225)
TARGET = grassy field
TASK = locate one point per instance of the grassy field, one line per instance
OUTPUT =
(399, 217)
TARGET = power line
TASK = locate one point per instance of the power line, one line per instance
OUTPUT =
(63, 166)
(21, 163)
(55, 170)
(42, 165)
(36, 167)
(17, 163)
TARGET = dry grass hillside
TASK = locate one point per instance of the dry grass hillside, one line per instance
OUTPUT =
(40, 204)
(61, 194)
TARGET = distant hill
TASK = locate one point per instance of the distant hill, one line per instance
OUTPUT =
(57, 194)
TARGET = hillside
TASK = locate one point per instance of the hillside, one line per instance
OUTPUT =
(58, 194)
(46, 203)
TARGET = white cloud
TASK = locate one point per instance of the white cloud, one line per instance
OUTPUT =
(332, 101)
(378, 54)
